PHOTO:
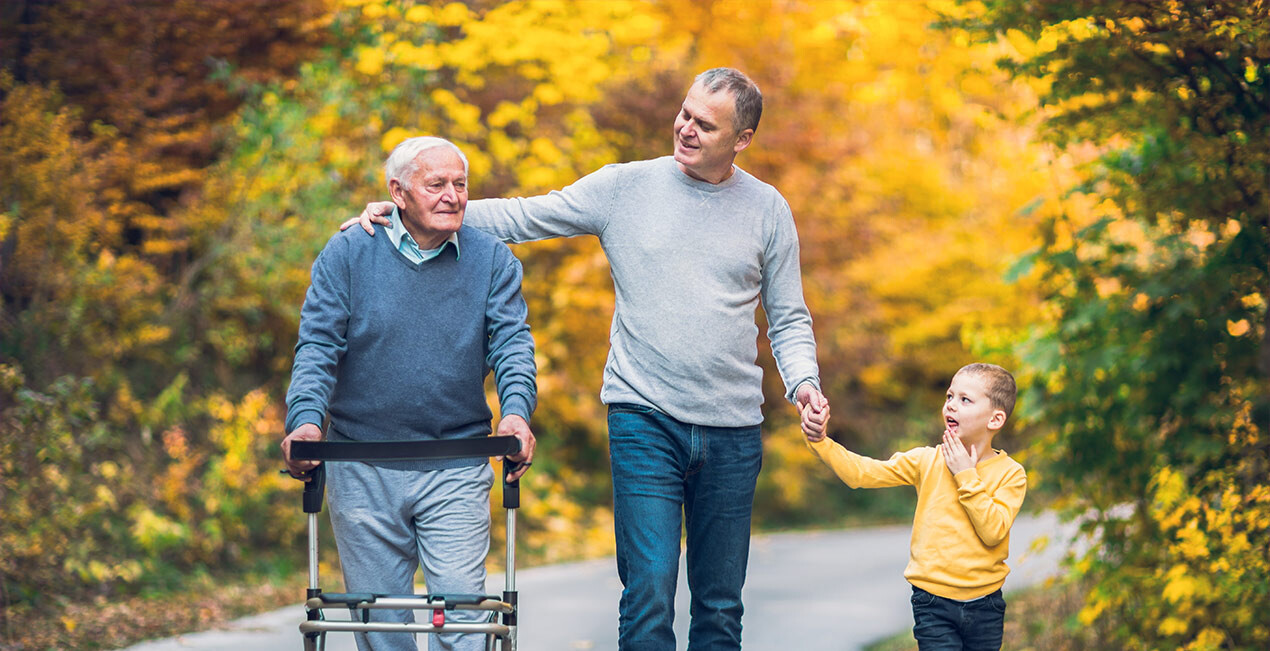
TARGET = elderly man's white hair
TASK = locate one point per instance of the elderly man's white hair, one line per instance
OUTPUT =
(403, 162)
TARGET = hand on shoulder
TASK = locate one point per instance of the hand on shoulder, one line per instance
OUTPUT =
(375, 213)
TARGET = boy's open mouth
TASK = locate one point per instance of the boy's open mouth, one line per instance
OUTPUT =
(951, 422)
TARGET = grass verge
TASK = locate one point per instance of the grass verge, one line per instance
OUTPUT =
(114, 622)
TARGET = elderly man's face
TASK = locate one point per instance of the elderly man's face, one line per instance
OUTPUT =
(706, 142)
(432, 208)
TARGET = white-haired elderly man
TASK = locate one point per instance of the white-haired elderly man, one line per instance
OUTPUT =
(397, 335)
(694, 244)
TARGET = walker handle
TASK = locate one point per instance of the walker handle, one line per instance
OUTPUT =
(314, 489)
(511, 489)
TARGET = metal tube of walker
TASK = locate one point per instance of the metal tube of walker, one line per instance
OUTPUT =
(510, 574)
(313, 552)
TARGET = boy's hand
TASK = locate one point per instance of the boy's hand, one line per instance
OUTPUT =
(373, 214)
(814, 409)
(956, 455)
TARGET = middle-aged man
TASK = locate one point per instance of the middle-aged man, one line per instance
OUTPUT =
(694, 244)
(397, 335)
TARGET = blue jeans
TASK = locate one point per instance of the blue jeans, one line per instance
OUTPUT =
(941, 624)
(665, 470)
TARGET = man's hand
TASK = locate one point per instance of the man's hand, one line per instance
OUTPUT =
(305, 432)
(514, 425)
(814, 409)
(373, 214)
(956, 455)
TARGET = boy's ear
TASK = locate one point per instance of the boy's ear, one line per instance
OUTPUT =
(997, 420)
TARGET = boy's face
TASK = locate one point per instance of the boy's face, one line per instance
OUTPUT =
(967, 411)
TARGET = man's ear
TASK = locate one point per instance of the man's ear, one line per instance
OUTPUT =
(397, 193)
(997, 420)
(743, 140)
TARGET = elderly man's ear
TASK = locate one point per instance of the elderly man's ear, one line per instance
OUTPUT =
(398, 195)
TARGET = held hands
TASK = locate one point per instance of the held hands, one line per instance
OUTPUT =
(814, 409)
(514, 425)
(373, 214)
(956, 454)
(305, 432)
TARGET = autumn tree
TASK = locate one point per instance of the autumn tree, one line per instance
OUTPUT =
(110, 394)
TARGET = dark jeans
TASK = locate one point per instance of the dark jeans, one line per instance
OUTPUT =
(941, 624)
(666, 473)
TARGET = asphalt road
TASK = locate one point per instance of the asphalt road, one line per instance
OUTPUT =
(812, 591)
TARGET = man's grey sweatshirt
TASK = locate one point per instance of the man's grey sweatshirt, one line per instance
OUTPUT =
(690, 262)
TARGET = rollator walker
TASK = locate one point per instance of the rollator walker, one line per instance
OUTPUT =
(498, 635)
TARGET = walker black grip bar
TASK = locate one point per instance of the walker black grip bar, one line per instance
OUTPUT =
(511, 489)
(314, 490)
(485, 446)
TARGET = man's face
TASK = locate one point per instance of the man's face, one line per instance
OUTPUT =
(967, 411)
(432, 208)
(706, 142)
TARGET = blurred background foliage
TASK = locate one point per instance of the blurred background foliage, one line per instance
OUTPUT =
(1076, 190)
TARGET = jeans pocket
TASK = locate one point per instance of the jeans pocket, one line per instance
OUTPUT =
(921, 597)
(997, 601)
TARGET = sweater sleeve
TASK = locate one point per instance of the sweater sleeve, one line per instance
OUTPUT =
(581, 208)
(511, 346)
(323, 337)
(788, 320)
(991, 513)
(858, 471)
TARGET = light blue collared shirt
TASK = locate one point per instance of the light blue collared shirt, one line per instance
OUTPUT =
(402, 240)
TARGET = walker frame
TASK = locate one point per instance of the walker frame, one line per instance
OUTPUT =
(499, 636)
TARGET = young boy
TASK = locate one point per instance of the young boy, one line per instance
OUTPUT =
(967, 497)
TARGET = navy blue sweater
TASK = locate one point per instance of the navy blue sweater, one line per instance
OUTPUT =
(399, 351)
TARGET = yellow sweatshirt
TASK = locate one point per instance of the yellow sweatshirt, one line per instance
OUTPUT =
(961, 528)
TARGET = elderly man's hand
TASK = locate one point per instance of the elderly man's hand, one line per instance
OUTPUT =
(305, 432)
(373, 214)
(514, 425)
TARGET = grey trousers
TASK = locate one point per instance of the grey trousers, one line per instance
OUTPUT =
(388, 518)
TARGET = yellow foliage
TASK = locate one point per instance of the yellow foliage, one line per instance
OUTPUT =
(1173, 626)
(154, 532)
(370, 60)
(394, 137)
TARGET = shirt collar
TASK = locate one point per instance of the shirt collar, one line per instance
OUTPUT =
(397, 232)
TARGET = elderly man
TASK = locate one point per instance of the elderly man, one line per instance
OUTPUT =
(397, 335)
(694, 244)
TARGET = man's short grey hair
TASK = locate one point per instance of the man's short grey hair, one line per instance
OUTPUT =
(403, 162)
(749, 101)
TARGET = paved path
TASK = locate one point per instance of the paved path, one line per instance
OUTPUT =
(814, 591)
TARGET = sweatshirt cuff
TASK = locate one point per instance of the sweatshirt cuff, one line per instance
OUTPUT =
(966, 476)
(516, 405)
(793, 394)
(820, 446)
(305, 416)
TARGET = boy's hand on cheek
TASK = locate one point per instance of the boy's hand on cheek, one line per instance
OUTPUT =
(956, 455)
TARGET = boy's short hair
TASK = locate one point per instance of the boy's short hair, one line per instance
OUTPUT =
(999, 384)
